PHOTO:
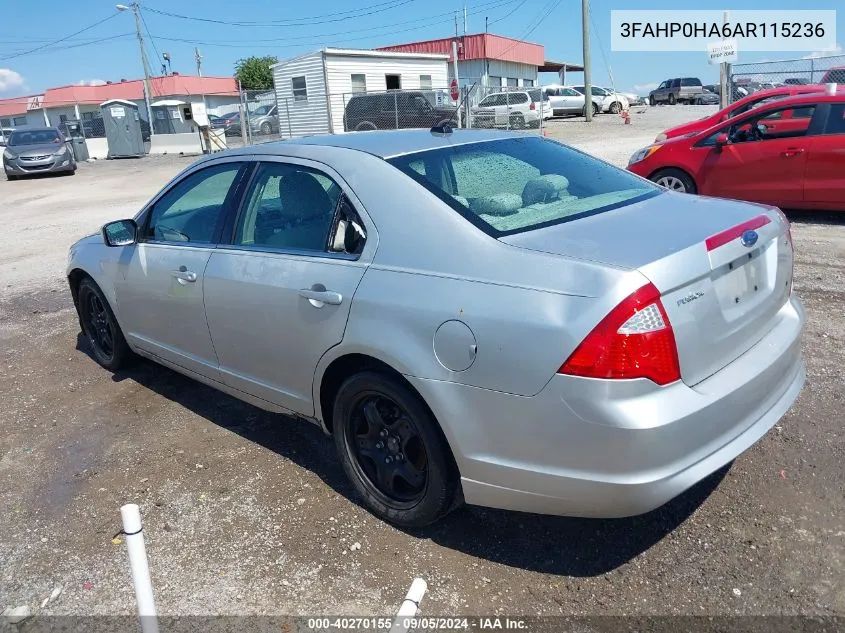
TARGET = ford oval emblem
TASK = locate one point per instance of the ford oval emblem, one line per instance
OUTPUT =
(749, 238)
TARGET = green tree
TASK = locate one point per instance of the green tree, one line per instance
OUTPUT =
(254, 72)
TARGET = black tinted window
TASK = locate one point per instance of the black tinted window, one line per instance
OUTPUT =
(192, 210)
(690, 81)
(836, 119)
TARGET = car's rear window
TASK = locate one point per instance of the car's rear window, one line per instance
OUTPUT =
(690, 81)
(519, 184)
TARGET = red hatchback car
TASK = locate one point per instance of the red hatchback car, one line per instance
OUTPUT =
(789, 153)
(737, 108)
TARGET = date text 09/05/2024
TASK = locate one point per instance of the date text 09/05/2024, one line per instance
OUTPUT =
(712, 29)
(418, 623)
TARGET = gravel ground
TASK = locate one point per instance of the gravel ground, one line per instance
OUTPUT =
(249, 513)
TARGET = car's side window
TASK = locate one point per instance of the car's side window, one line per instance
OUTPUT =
(835, 119)
(192, 210)
(288, 207)
(781, 123)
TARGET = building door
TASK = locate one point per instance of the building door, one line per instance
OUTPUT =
(394, 82)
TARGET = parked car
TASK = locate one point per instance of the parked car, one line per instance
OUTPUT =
(477, 316)
(834, 76)
(514, 109)
(788, 153)
(706, 98)
(37, 151)
(677, 90)
(567, 101)
(608, 100)
(264, 119)
(5, 133)
(737, 108)
(387, 110)
(229, 122)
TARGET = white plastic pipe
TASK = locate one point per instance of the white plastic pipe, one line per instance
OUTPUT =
(140, 569)
(409, 606)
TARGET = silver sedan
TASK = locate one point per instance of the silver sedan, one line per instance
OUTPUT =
(474, 316)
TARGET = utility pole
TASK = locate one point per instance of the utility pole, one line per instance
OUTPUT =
(465, 19)
(136, 9)
(724, 71)
(585, 31)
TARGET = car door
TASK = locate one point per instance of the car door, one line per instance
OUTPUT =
(768, 168)
(823, 176)
(277, 297)
(660, 92)
(160, 293)
(572, 100)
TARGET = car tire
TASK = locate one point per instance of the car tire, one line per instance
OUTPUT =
(100, 327)
(392, 450)
(365, 126)
(10, 177)
(674, 180)
(615, 107)
(652, 101)
(265, 128)
(671, 98)
(516, 121)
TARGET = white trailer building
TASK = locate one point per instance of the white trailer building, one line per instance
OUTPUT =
(312, 89)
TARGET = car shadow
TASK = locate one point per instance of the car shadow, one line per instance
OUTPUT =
(829, 218)
(549, 544)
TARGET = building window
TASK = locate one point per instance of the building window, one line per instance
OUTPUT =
(359, 83)
(6, 122)
(19, 120)
(425, 82)
(62, 118)
(528, 83)
(394, 82)
(494, 82)
(300, 91)
(513, 82)
(89, 116)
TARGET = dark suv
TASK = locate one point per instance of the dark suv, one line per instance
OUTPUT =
(394, 109)
(678, 90)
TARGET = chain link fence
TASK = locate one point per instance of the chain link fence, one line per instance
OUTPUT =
(746, 79)
(477, 106)
(261, 116)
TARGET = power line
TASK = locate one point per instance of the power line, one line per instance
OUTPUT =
(537, 22)
(152, 39)
(509, 13)
(387, 28)
(52, 49)
(67, 37)
(332, 17)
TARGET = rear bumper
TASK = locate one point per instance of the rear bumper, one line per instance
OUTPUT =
(584, 447)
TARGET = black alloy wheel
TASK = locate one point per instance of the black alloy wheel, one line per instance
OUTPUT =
(392, 450)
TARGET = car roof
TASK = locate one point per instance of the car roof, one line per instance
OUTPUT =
(383, 143)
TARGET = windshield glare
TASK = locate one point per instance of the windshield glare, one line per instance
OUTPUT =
(34, 137)
(513, 185)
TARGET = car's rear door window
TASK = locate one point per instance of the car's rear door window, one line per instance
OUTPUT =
(517, 184)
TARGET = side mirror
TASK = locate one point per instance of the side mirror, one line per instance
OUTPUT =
(120, 233)
(721, 140)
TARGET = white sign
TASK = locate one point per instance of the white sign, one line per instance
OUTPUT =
(34, 103)
(118, 112)
(724, 52)
(174, 113)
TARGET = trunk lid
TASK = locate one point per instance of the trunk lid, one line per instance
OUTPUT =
(722, 294)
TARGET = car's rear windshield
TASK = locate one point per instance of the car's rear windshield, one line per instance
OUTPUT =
(519, 184)
(34, 137)
(690, 81)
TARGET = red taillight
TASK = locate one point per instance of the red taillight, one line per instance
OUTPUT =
(634, 341)
(532, 106)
